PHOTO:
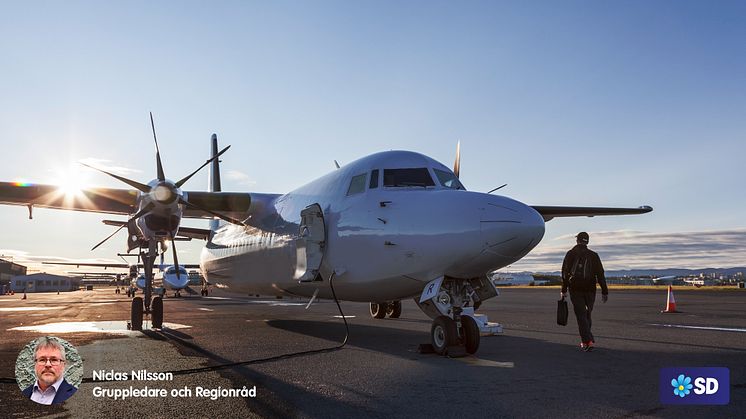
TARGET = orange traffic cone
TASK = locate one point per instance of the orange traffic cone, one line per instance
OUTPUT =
(670, 302)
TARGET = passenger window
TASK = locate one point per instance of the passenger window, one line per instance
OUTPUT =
(373, 179)
(357, 184)
(447, 179)
(407, 177)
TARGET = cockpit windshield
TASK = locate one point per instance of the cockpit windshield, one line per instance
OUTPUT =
(448, 179)
(407, 177)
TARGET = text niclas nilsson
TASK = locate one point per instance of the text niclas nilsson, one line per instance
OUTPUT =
(153, 392)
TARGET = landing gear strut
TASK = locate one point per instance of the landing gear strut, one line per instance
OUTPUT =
(141, 306)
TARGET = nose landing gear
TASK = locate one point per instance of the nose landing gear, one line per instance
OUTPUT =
(456, 328)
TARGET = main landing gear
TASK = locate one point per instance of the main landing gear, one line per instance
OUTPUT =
(392, 309)
(147, 304)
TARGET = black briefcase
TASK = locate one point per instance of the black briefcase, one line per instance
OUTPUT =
(562, 312)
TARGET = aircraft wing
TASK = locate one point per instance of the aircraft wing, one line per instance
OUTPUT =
(549, 212)
(117, 201)
(107, 200)
(112, 265)
(187, 232)
(98, 265)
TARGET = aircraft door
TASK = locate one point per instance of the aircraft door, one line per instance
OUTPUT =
(310, 244)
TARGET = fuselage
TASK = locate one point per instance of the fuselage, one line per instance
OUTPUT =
(393, 221)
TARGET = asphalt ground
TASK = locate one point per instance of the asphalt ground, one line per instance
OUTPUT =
(534, 369)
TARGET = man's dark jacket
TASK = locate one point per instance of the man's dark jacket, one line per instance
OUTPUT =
(65, 391)
(595, 267)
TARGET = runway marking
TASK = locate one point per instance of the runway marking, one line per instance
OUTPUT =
(275, 303)
(721, 329)
(218, 298)
(206, 309)
(113, 327)
(346, 317)
(471, 360)
(101, 304)
(30, 308)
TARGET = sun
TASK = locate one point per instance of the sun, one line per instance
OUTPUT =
(70, 182)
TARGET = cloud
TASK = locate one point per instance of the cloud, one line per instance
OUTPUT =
(106, 165)
(239, 178)
(644, 250)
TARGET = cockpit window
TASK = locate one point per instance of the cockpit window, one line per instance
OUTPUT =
(407, 177)
(448, 179)
(357, 184)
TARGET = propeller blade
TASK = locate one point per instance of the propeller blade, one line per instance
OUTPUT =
(146, 209)
(213, 213)
(137, 185)
(176, 258)
(161, 175)
(457, 163)
(183, 181)
(110, 236)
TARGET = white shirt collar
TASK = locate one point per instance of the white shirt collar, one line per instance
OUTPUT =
(56, 384)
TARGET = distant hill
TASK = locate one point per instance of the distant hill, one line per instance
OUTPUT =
(667, 272)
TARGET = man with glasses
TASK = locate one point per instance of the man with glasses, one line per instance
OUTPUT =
(49, 363)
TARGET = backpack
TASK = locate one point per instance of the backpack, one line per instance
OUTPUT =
(581, 274)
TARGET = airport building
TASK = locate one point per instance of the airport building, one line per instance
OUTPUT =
(43, 282)
(7, 271)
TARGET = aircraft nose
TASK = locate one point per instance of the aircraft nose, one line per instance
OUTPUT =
(510, 229)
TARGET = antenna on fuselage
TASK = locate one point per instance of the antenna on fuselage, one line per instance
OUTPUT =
(336, 164)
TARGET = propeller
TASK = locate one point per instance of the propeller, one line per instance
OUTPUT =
(107, 238)
(183, 181)
(139, 214)
(161, 175)
(457, 163)
(165, 194)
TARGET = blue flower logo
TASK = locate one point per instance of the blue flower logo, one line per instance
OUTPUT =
(682, 385)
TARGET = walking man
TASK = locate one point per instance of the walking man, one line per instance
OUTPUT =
(581, 270)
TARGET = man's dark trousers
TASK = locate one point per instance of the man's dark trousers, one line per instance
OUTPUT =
(582, 304)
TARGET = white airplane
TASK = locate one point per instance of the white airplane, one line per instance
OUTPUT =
(389, 226)
(664, 280)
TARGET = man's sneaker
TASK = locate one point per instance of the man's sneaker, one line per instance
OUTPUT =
(587, 347)
(590, 346)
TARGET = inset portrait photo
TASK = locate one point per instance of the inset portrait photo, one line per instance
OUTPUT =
(49, 370)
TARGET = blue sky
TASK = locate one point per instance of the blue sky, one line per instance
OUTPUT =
(570, 103)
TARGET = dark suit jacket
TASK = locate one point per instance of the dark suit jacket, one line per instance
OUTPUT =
(65, 391)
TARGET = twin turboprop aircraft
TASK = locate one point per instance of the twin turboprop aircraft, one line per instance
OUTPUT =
(389, 226)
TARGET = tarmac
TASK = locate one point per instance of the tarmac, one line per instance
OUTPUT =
(534, 369)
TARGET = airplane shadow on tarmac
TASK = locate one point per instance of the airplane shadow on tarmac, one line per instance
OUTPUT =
(274, 401)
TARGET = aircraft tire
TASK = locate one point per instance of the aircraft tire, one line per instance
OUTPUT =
(471, 334)
(443, 334)
(378, 310)
(393, 309)
(136, 313)
(157, 316)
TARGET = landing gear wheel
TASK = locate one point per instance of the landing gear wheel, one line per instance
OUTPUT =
(470, 332)
(136, 313)
(443, 334)
(378, 310)
(157, 313)
(393, 309)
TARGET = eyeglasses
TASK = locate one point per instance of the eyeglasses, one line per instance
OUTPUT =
(53, 361)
